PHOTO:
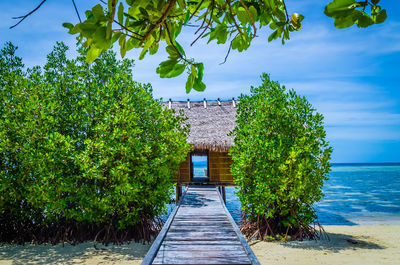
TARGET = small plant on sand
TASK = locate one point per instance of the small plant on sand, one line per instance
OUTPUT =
(280, 161)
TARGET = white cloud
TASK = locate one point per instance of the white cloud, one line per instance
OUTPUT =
(356, 118)
(363, 134)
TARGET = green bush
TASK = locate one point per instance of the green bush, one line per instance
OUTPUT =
(85, 151)
(280, 161)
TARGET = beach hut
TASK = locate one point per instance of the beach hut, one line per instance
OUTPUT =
(210, 125)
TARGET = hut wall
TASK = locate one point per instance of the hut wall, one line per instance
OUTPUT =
(220, 167)
(184, 171)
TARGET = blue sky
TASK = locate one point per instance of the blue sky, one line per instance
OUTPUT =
(351, 76)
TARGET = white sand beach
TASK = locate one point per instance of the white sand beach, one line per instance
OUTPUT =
(379, 244)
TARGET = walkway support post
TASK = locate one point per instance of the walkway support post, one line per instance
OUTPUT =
(178, 192)
(223, 194)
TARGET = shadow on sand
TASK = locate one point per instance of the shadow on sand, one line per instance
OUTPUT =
(79, 254)
(337, 243)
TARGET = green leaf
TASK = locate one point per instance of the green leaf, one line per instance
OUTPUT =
(274, 35)
(280, 14)
(199, 85)
(253, 12)
(344, 22)
(273, 26)
(182, 3)
(116, 36)
(180, 49)
(87, 28)
(381, 17)
(200, 70)
(68, 25)
(193, 71)
(242, 15)
(236, 43)
(340, 8)
(295, 20)
(220, 33)
(154, 48)
(176, 70)
(109, 31)
(122, 45)
(100, 38)
(89, 14)
(146, 47)
(165, 67)
(121, 14)
(98, 12)
(186, 18)
(143, 54)
(265, 18)
(189, 83)
(364, 21)
(172, 52)
(92, 54)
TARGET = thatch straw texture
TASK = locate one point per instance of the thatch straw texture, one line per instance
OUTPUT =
(210, 126)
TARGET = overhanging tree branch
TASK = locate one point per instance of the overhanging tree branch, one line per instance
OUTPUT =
(22, 18)
(76, 10)
(233, 17)
(251, 18)
(208, 24)
(164, 16)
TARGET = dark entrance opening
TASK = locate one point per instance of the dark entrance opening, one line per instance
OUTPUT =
(199, 167)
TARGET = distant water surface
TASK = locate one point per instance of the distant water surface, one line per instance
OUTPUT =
(361, 194)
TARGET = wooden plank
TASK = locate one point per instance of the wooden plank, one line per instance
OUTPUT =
(184, 171)
(222, 172)
(205, 221)
(214, 229)
(199, 247)
(201, 238)
(195, 254)
(219, 226)
(197, 223)
(203, 242)
(220, 164)
(202, 234)
(224, 260)
(219, 154)
(203, 218)
(224, 159)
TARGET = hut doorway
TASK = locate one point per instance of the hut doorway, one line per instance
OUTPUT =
(199, 167)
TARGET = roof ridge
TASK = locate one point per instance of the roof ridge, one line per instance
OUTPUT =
(196, 101)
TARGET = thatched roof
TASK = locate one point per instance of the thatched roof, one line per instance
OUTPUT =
(210, 125)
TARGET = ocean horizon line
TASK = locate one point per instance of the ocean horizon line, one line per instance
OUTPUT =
(367, 164)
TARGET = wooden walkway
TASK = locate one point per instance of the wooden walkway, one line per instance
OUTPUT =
(200, 230)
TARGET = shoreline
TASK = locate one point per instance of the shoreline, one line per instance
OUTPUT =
(359, 244)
